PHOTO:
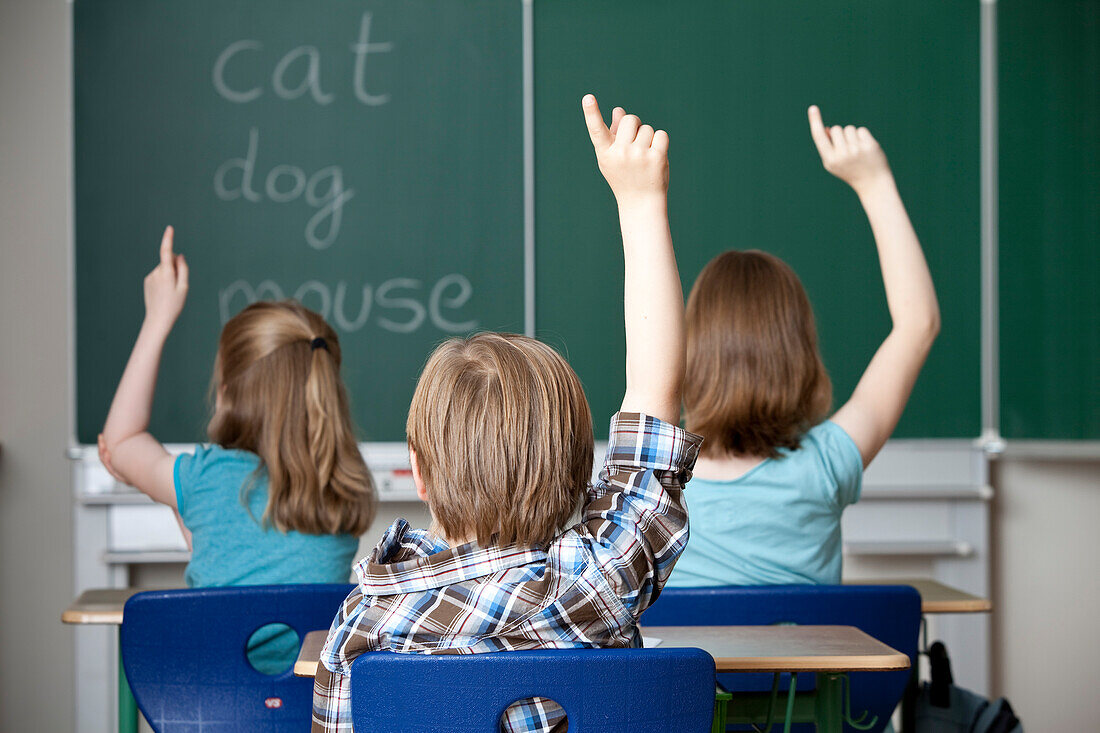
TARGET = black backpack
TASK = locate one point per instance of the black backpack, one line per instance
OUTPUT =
(942, 707)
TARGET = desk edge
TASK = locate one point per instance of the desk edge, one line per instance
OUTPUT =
(88, 618)
(305, 669)
(978, 605)
(843, 663)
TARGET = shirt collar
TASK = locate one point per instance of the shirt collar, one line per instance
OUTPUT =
(414, 560)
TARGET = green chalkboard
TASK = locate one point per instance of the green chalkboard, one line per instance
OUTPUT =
(1049, 100)
(418, 108)
(365, 158)
(731, 81)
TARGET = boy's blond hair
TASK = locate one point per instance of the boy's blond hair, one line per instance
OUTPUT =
(503, 439)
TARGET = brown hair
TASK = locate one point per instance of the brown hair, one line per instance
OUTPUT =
(503, 438)
(283, 399)
(755, 381)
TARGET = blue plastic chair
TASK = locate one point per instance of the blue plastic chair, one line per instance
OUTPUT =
(184, 656)
(601, 690)
(890, 613)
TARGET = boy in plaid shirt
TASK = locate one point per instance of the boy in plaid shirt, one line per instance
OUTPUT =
(500, 440)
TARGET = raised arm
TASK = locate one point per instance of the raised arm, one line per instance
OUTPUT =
(634, 160)
(127, 449)
(870, 415)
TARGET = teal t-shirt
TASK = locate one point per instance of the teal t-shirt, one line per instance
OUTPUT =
(230, 545)
(779, 523)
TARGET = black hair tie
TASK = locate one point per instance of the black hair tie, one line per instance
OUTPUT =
(318, 343)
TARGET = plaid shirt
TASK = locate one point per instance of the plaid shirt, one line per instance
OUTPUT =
(587, 589)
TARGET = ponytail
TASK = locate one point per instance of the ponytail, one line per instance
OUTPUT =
(282, 398)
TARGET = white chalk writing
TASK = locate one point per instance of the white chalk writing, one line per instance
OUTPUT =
(397, 305)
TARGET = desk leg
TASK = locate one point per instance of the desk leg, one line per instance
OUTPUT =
(788, 718)
(127, 706)
(912, 686)
(909, 701)
(829, 712)
(721, 704)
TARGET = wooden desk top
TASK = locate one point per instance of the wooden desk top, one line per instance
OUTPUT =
(784, 648)
(100, 606)
(740, 648)
(935, 597)
(306, 664)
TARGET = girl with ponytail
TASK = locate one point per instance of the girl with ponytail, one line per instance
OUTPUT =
(282, 493)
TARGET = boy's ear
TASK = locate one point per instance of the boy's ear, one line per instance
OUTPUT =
(421, 492)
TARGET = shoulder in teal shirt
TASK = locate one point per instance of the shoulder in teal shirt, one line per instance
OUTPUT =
(230, 545)
(777, 524)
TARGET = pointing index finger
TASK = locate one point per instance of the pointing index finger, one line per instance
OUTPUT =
(597, 130)
(166, 256)
(817, 131)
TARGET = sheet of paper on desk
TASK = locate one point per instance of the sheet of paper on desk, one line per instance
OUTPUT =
(650, 641)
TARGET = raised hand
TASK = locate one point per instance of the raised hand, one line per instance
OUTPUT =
(850, 153)
(633, 157)
(634, 160)
(870, 415)
(127, 450)
(166, 286)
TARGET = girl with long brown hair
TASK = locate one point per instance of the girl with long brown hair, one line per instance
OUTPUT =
(775, 475)
(282, 493)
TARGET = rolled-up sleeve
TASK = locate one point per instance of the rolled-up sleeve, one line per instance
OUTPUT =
(331, 702)
(635, 518)
(332, 685)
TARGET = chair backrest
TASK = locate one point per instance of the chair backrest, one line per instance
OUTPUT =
(601, 690)
(890, 613)
(184, 652)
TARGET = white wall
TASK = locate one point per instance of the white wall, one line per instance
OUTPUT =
(36, 685)
(1046, 537)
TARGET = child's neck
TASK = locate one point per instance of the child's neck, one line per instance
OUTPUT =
(725, 467)
(437, 530)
